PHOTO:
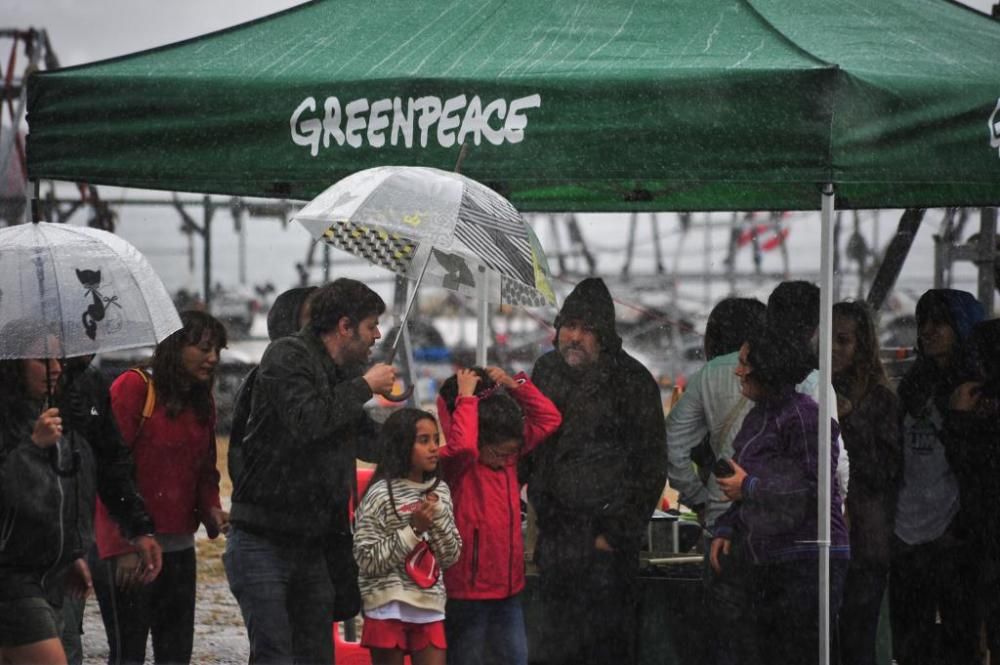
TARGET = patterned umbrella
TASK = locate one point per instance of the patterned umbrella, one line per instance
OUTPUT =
(434, 227)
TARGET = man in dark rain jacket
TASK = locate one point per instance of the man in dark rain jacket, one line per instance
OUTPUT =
(299, 449)
(595, 485)
(972, 443)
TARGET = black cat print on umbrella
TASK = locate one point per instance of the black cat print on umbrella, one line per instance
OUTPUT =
(82, 290)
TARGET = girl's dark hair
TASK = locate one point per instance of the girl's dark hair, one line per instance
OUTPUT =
(960, 311)
(175, 388)
(500, 417)
(866, 371)
(500, 420)
(399, 433)
(732, 322)
(13, 386)
(775, 364)
(13, 381)
(449, 389)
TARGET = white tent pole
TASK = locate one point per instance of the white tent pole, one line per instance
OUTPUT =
(825, 399)
(482, 317)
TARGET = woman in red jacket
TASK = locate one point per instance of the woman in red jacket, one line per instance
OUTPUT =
(486, 433)
(174, 451)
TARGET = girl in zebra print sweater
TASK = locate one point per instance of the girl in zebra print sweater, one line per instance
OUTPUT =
(404, 504)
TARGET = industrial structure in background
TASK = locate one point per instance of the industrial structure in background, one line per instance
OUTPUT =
(660, 316)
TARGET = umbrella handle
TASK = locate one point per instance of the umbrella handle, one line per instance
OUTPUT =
(402, 397)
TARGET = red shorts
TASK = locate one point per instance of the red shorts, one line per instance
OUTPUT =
(396, 634)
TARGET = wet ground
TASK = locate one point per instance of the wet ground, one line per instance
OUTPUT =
(219, 633)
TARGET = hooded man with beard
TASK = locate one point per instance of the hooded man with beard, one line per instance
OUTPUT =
(595, 484)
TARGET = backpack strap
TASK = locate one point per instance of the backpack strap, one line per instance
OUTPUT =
(150, 404)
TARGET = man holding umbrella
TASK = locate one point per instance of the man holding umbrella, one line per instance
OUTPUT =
(595, 485)
(306, 416)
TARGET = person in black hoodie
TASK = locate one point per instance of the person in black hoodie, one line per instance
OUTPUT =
(86, 404)
(931, 568)
(306, 416)
(972, 439)
(59, 446)
(595, 485)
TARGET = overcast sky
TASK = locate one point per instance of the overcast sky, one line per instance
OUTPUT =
(87, 30)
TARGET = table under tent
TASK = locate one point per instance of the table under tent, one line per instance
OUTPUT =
(644, 105)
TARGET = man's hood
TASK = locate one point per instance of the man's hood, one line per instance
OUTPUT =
(283, 318)
(590, 302)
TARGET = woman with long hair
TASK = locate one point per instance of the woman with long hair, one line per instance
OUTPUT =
(932, 598)
(868, 413)
(173, 444)
(46, 490)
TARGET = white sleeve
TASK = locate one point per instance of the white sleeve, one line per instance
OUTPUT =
(811, 387)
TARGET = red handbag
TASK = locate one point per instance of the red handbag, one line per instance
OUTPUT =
(422, 565)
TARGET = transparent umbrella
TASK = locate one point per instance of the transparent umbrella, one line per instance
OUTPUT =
(89, 290)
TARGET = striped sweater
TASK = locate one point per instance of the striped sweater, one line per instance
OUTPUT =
(382, 540)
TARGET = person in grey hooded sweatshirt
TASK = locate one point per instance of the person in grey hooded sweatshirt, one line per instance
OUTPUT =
(595, 484)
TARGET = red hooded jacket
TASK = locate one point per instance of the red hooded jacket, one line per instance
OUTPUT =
(487, 501)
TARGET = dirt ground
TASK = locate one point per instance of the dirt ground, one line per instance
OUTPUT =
(219, 637)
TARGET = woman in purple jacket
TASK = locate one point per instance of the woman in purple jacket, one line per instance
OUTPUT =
(773, 518)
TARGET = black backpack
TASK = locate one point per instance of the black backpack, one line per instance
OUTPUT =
(241, 414)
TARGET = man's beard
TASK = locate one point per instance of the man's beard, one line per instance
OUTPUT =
(585, 362)
(359, 350)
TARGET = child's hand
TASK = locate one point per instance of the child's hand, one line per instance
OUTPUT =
(467, 382)
(422, 518)
(501, 377)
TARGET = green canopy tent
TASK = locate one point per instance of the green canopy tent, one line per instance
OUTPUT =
(645, 104)
(620, 105)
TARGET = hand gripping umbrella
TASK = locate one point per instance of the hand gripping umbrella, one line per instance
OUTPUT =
(434, 227)
(71, 291)
(90, 290)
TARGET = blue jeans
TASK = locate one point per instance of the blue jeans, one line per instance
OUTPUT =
(285, 597)
(486, 632)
